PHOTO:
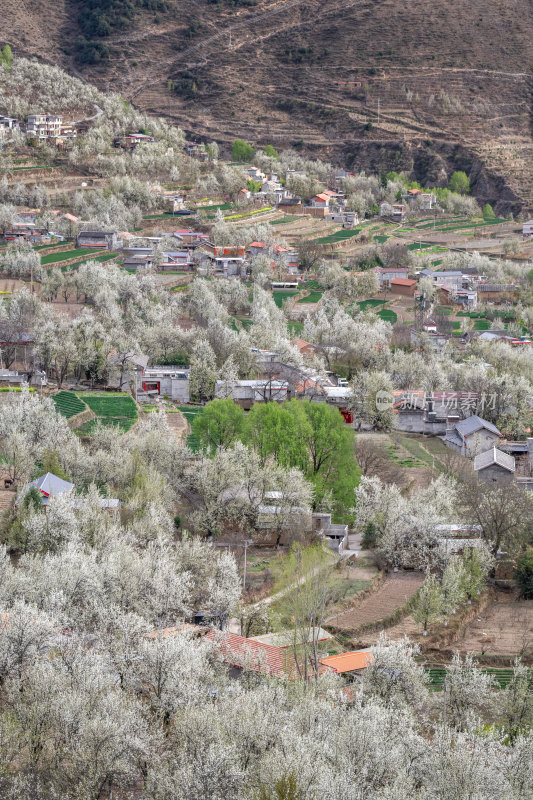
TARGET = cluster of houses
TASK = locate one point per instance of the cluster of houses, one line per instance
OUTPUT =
(41, 127)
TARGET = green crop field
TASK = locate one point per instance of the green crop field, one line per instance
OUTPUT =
(68, 404)
(53, 257)
(190, 412)
(339, 236)
(112, 410)
(280, 296)
(364, 305)
(419, 245)
(313, 297)
(283, 221)
(381, 238)
(481, 325)
(388, 315)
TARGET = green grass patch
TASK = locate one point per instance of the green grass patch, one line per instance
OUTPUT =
(339, 236)
(112, 410)
(283, 221)
(190, 412)
(54, 257)
(68, 404)
(313, 297)
(282, 295)
(381, 238)
(388, 315)
(295, 328)
(419, 245)
(364, 305)
(481, 325)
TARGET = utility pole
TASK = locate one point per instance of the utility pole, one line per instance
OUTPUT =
(379, 106)
(444, 702)
(230, 38)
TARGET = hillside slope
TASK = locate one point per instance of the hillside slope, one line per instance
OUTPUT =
(384, 83)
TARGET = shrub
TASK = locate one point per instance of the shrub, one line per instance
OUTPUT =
(524, 574)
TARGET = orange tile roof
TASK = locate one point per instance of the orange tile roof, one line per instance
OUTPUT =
(348, 662)
(403, 282)
(257, 244)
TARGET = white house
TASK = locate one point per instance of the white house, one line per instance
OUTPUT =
(44, 126)
(527, 228)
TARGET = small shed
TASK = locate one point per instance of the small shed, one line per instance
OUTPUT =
(495, 466)
(403, 286)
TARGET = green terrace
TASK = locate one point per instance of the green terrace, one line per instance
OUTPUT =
(364, 305)
(116, 410)
(388, 315)
(312, 297)
(339, 236)
(501, 677)
(283, 221)
(283, 294)
(190, 412)
(68, 404)
(49, 246)
(51, 258)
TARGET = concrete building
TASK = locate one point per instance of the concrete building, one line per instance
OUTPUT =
(101, 240)
(495, 466)
(387, 274)
(527, 228)
(163, 381)
(44, 126)
(403, 286)
(246, 393)
(472, 436)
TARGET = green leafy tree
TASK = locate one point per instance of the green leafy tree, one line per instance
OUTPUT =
(50, 463)
(273, 430)
(242, 151)
(253, 186)
(270, 151)
(524, 574)
(221, 424)
(6, 57)
(488, 212)
(332, 466)
(460, 183)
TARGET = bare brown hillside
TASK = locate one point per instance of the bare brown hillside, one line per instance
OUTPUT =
(387, 84)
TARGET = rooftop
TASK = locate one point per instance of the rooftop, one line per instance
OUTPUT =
(348, 662)
(494, 457)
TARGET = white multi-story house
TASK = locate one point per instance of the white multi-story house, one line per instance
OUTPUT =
(44, 126)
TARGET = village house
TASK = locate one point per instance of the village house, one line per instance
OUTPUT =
(387, 274)
(405, 287)
(350, 664)
(497, 292)
(247, 392)
(434, 413)
(527, 228)
(44, 126)
(472, 436)
(424, 200)
(101, 240)
(467, 298)
(448, 278)
(395, 212)
(49, 485)
(292, 205)
(221, 262)
(495, 466)
(162, 381)
(9, 123)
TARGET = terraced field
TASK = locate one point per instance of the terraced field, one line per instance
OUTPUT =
(397, 589)
(112, 410)
(68, 404)
(190, 412)
(51, 258)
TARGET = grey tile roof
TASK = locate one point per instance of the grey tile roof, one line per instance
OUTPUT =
(454, 438)
(494, 456)
(49, 485)
(473, 424)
